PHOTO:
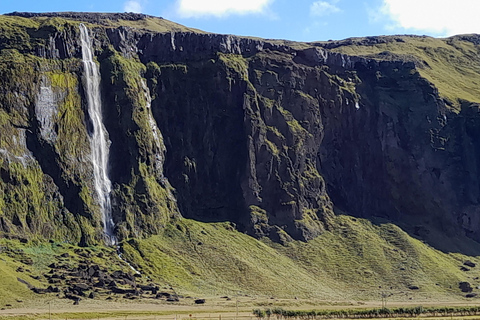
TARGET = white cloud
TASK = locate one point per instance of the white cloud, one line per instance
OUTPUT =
(440, 17)
(220, 8)
(132, 6)
(323, 8)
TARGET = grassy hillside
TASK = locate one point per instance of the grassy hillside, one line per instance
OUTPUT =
(148, 23)
(452, 64)
(358, 260)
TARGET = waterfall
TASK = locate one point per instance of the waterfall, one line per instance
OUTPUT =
(99, 142)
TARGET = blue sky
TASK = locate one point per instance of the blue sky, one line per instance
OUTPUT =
(300, 20)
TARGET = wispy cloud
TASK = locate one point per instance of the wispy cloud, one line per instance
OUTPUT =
(132, 6)
(443, 18)
(221, 8)
(324, 8)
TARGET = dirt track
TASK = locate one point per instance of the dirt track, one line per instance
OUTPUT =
(215, 308)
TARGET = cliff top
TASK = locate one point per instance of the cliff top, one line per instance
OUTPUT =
(452, 64)
(133, 20)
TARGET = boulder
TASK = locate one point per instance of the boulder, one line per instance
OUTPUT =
(81, 287)
(465, 286)
(172, 299)
(163, 295)
(470, 264)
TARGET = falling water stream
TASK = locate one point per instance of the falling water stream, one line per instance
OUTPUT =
(99, 142)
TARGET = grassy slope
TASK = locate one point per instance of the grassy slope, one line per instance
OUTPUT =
(30, 262)
(150, 24)
(12, 291)
(358, 260)
(452, 64)
(156, 25)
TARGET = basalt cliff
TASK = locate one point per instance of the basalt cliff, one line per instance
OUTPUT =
(277, 138)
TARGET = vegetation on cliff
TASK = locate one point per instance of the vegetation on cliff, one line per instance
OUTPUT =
(260, 143)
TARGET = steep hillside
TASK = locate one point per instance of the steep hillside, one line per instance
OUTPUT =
(357, 261)
(229, 159)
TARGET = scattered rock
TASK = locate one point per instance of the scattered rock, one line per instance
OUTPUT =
(464, 268)
(52, 289)
(413, 287)
(81, 287)
(470, 264)
(92, 270)
(465, 287)
(39, 290)
(29, 286)
(130, 296)
(20, 269)
(470, 295)
(163, 295)
(150, 288)
(65, 255)
(200, 301)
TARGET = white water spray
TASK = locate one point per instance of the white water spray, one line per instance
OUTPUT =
(98, 141)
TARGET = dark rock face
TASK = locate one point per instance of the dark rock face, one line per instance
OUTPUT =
(216, 127)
